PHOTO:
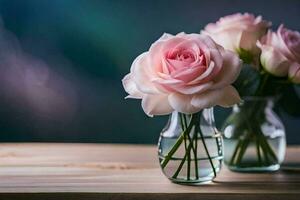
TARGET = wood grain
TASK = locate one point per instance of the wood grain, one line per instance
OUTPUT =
(104, 171)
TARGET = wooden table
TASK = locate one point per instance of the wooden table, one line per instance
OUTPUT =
(103, 171)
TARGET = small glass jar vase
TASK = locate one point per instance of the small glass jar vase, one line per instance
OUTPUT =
(190, 148)
(254, 136)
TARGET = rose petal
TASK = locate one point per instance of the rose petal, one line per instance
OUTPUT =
(156, 105)
(176, 64)
(280, 42)
(225, 97)
(206, 76)
(294, 73)
(273, 61)
(238, 31)
(159, 49)
(143, 73)
(230, 70)
(182, 103)
(165, 84)
(193, 89)
(248, 42)
(229, 39)
(130, 87)
(188, 74)
(165, 69)
(188, 44)
(165, 36)
(210, 48)
(215, 54)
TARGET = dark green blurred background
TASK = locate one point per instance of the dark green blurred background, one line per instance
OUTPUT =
(62, 61)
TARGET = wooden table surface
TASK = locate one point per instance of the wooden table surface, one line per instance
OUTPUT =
(104, 171)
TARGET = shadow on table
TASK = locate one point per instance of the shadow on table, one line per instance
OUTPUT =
(291, 167)
(288, 173)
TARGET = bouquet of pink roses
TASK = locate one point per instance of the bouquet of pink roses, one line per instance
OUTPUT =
(254, 135)
(188, 74)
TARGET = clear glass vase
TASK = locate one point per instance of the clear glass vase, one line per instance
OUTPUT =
(190, 148)
(254, 136)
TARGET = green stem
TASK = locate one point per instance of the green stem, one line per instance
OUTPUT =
(195, 154)
(242, 151)
(258, 151)
(179, 167)
(262, 85)
(184, 119)
(167, 158)
(237, 148)
(265, 153)
(189, 163)
(194, 148)
(261, 143)
(268, 148)
(207, 152)
(183, 127)
(265, 146)
(243, 142)
(184, 158)
(184, 124)
(254, 131)
(186, 137)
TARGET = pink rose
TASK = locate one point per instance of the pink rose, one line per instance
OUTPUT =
(294, 73)
(238, 32)
(280, 51)
(186, 73)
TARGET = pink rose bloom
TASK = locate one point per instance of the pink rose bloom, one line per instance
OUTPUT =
(238, 32)
(281, 52)
(185, 73)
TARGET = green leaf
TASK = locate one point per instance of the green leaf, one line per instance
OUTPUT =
(290, 101)
(248, 81)
(274, 86)
(245, 55)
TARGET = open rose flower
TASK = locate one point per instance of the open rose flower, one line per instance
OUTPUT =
(186, 73)
(281, 53)
(239, 33)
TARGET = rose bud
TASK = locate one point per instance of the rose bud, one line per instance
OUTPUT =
(280, 51)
